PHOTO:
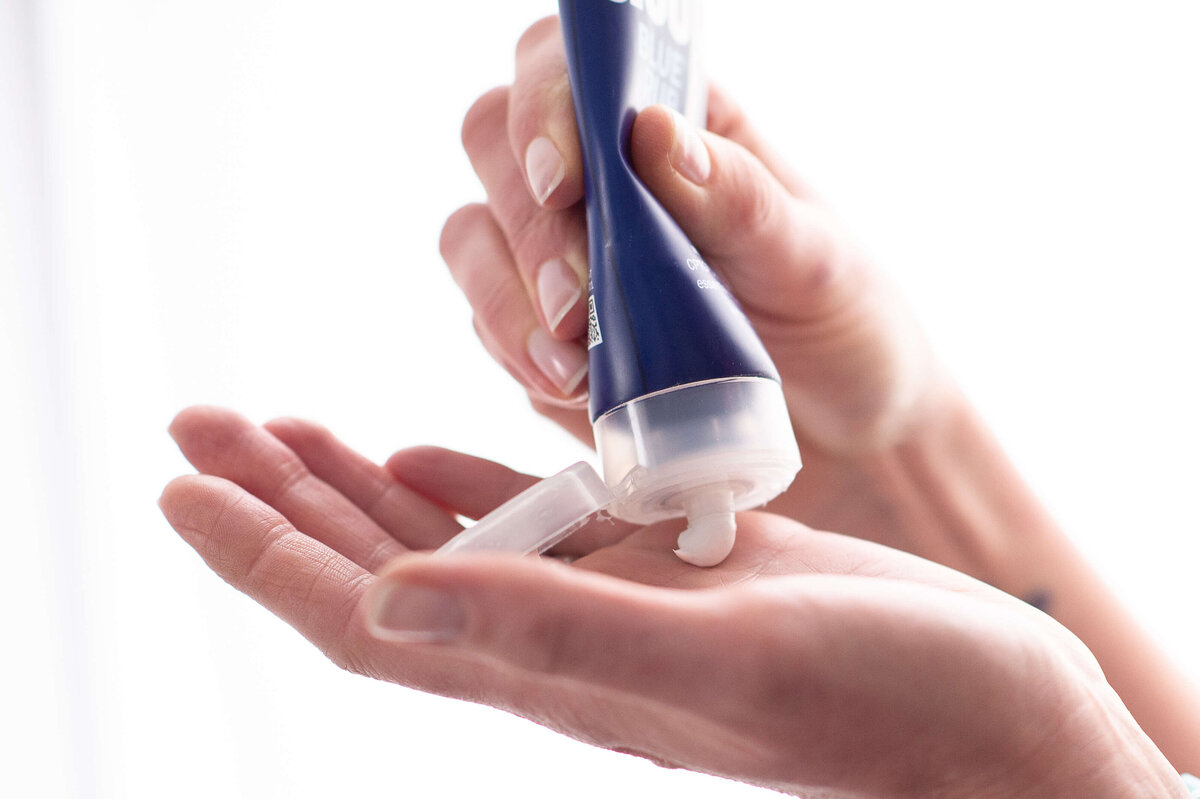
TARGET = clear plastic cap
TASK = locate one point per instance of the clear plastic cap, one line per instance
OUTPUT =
(539, 517)
(730, 435)
(701, 450)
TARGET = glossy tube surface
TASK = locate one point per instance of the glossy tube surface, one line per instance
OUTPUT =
(658, 316)
(684, 399)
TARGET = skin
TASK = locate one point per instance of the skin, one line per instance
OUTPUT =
(809, 662)
(892, 451)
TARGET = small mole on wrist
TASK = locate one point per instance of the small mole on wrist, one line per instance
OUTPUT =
(1040, 599)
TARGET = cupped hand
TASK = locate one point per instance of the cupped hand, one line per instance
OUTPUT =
(808, 662)
(857, 372)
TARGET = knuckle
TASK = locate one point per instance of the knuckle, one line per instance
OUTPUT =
(754, 213)
(382, 550)
(488, 341)
(536, 34)
(485, 116)
(826, 261)
(543, 105)
(759, 206)
(725, 117)
(527, 235)
(729, 118)
(823, 274)
(348, 645)
(533, 237)
(494, 308)
(735, 124)
(383, 494)
(459, 226)
(290, 472)
(541, 98)
(544, 233)
(350, 660)
(259, 574)
(301, 431)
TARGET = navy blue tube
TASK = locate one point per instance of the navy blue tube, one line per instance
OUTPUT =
(659, 317)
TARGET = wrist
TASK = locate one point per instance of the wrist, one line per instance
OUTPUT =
(945, 490)
(948, 493)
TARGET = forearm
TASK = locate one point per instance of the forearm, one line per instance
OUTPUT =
(951, 495)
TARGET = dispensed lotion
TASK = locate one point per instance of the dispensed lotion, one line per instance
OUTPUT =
(686, 406)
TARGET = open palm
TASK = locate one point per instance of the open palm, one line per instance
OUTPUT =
(807, 662)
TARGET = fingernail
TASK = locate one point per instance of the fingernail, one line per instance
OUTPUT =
(688, 155)
(415, 614)
(564, 363)
(544, 168)
(558, 289)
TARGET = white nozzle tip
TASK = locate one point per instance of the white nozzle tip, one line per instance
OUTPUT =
(711, 530)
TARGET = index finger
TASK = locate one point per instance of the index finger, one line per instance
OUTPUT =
(541, 118)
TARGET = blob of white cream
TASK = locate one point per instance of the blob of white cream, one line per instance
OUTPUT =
(711, 529)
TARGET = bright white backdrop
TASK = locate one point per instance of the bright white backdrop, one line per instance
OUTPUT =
(239, 203)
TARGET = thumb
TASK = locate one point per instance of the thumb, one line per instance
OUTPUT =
(545, 618)
(779, 254)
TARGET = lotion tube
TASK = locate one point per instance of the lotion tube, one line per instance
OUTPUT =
(687, 409)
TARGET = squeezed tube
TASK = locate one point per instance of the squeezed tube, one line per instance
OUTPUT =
(687, 408)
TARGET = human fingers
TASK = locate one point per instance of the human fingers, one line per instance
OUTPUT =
(322, 594)
(727, 120)
(782, 257)
(225, 444)
(480, 262)
(857, 370)
(852, 671)
(473, 487)
(313, 588)
(258, 551)
(548, 247)
(460, 483)
(406, 515)
(513, 610)
(541, 617)
(541, 119)
(571, 419)
(769, 668)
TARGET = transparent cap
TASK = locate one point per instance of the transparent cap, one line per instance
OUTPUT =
(731, 437)
(539, 517)
(702, 450)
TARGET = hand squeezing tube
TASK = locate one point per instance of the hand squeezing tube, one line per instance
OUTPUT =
(686, 406)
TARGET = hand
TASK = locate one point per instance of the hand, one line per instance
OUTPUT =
(892, 451)
(858, 375)
(806, 662)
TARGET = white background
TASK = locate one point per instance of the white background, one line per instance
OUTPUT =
(239, 203)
